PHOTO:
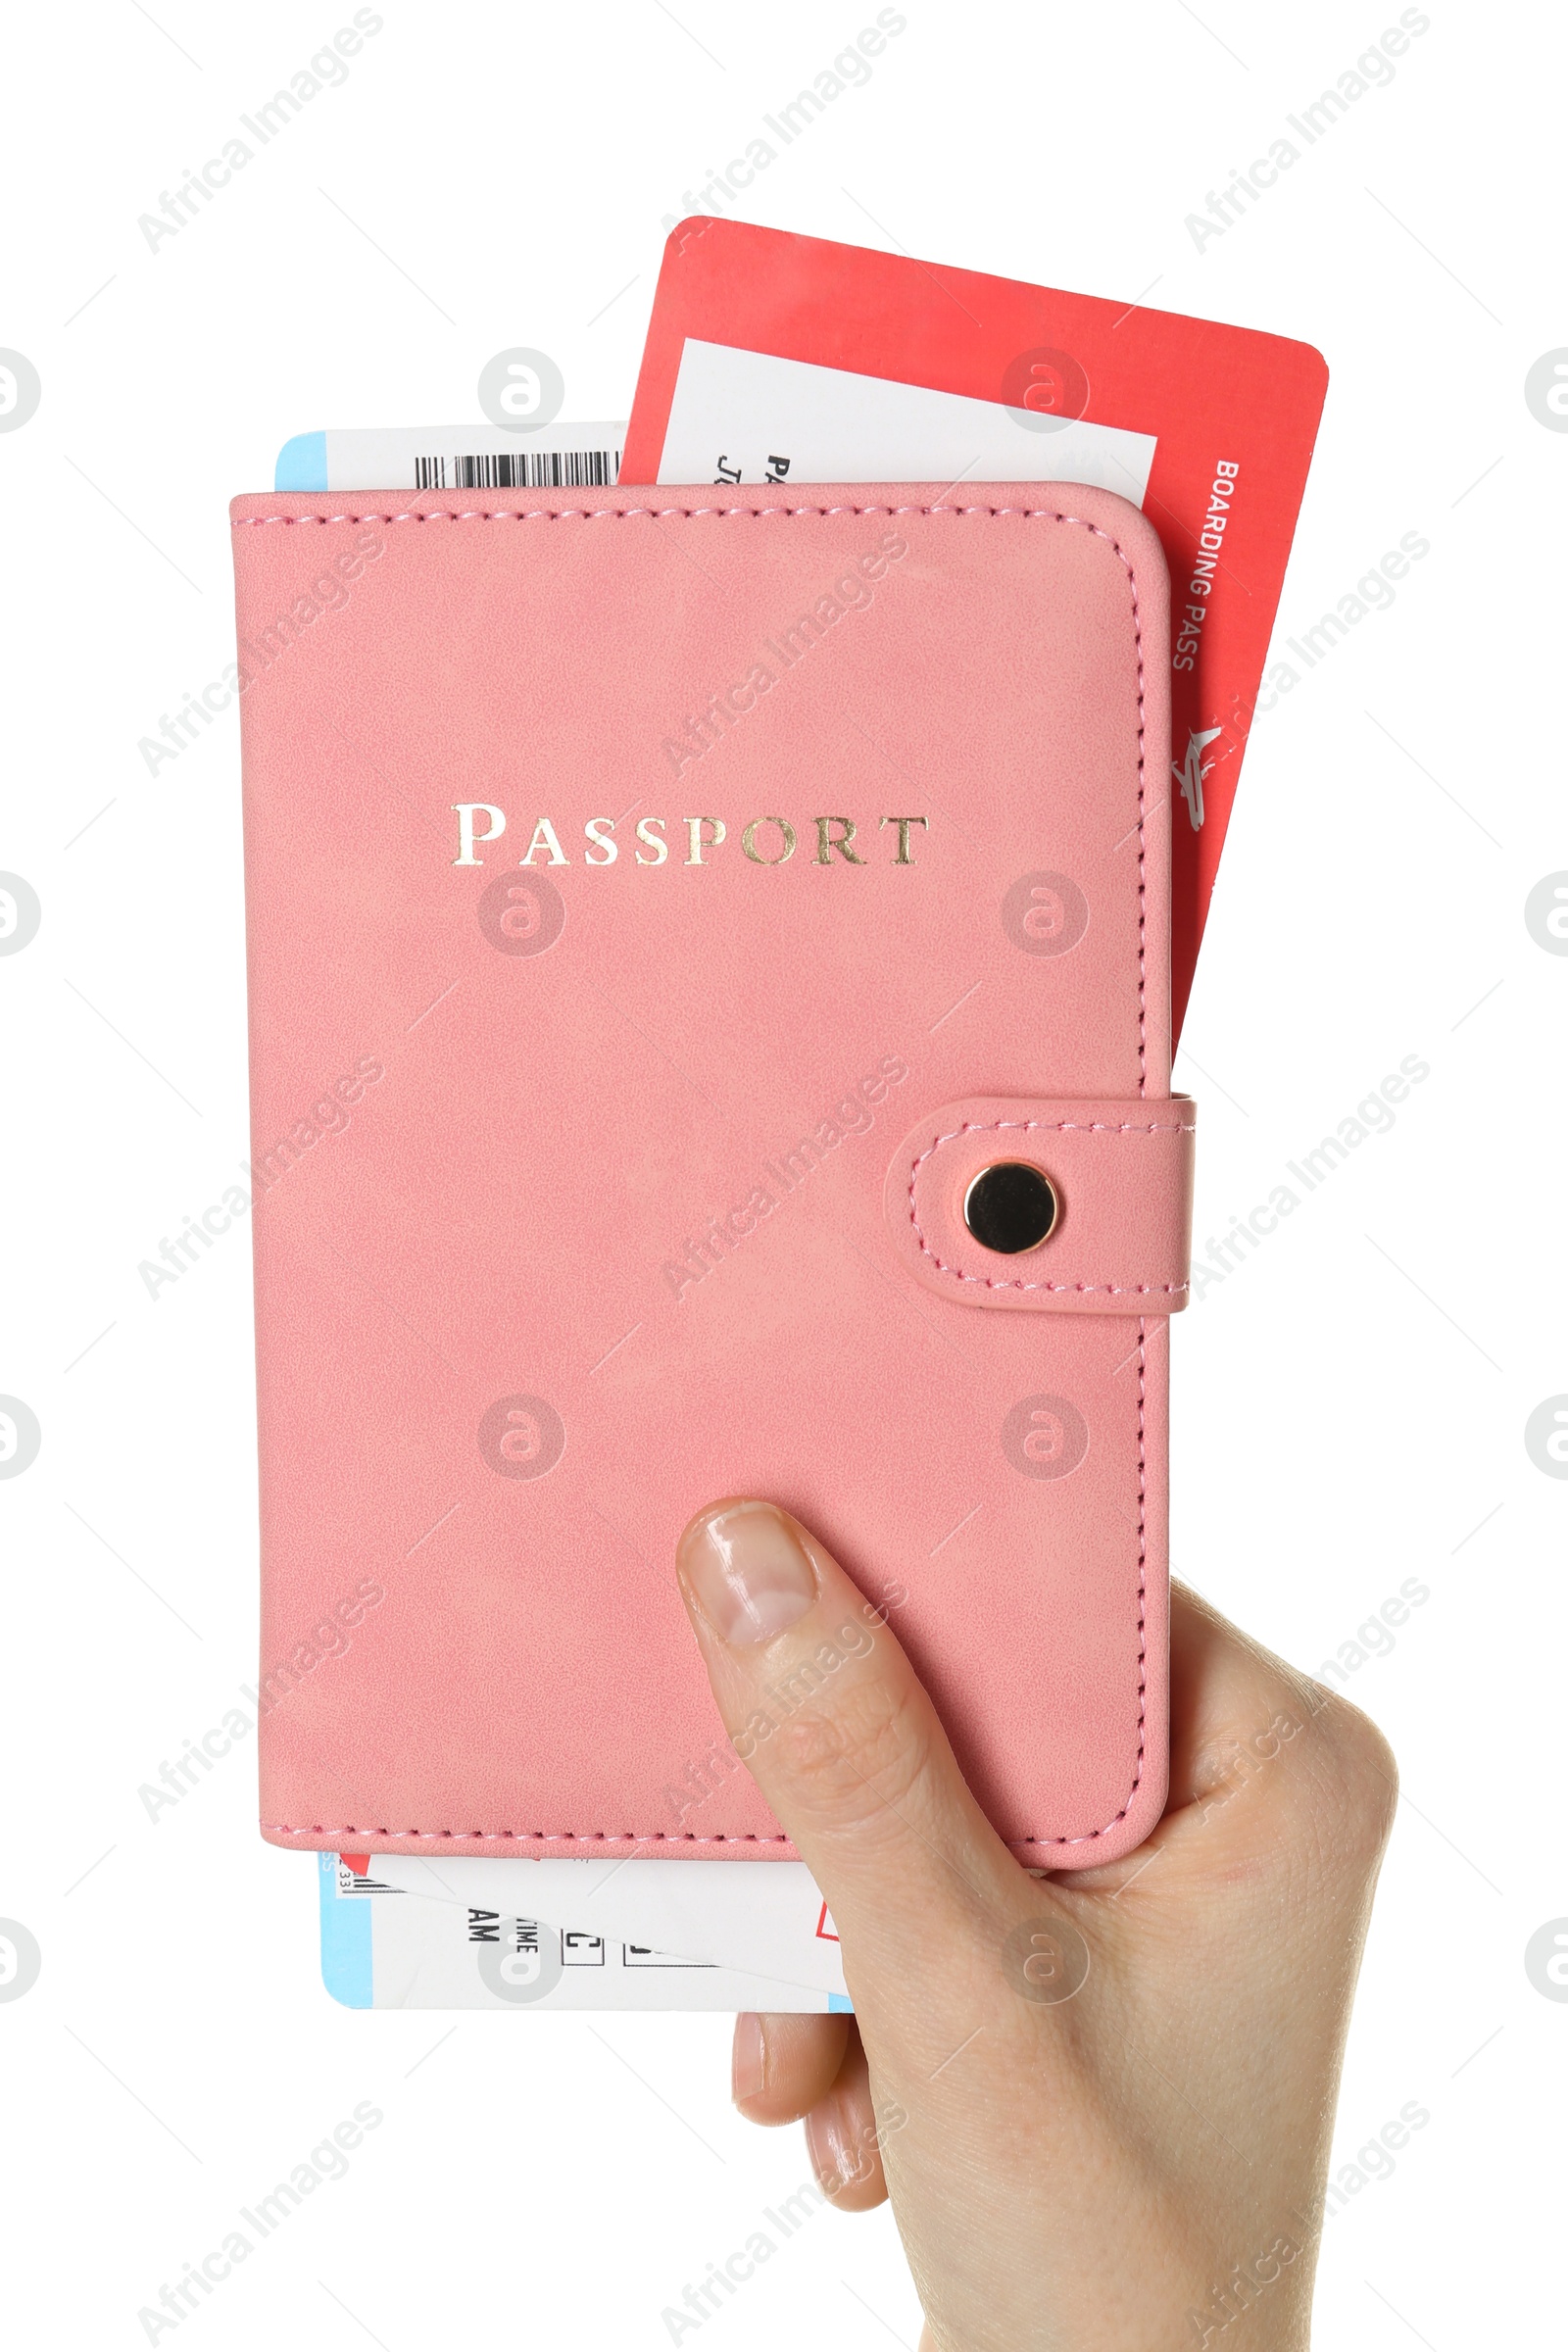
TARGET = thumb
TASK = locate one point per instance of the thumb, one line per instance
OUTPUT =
(827, 1713)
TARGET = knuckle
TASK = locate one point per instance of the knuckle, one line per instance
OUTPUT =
(1320, 1770)
(1354, 1782)
(1361, 1759)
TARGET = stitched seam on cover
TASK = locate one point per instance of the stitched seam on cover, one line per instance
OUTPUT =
(360, 1829)
(246, 522)
(993, 1282)
(757, 514)
(1088, 1836)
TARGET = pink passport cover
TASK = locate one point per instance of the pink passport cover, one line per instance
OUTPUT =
(592, 1188)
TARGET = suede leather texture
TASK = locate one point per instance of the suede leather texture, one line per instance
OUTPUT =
(621, 1222)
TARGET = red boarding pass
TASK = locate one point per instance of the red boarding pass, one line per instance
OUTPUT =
(784, 359)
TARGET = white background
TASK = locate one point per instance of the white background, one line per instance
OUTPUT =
(1350, 1404)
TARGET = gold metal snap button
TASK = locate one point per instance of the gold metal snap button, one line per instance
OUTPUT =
(1010, 1207)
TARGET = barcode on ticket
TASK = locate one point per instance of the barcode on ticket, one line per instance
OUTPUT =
(520, 470)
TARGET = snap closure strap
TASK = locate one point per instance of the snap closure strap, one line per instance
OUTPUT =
(1122, 1175)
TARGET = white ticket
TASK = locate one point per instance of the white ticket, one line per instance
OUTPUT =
(733, 409)
(454, 456)
(763, 1919)
(386, 1946)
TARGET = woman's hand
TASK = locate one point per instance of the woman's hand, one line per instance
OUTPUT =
(1101, 2102)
